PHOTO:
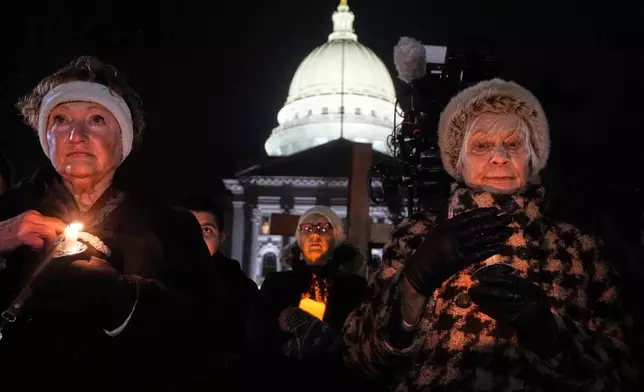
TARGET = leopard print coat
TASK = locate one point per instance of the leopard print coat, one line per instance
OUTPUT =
(458, 348)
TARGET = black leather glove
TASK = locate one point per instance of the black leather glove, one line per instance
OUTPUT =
(454, 244)
(310, 336)
(517, 302)
(89, 287)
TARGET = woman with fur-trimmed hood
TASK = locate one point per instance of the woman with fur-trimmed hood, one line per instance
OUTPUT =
(311, 302)
(492, 295)
(322, 264)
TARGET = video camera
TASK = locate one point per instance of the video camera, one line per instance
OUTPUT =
(433, 75)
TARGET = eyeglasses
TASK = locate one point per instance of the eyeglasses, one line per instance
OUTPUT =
(320, 228)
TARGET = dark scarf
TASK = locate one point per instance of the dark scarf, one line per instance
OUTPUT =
(59, 202)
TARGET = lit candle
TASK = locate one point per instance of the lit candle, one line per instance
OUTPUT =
(312, 307)
(71, 236)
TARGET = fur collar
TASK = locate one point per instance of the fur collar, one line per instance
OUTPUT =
(345, 257)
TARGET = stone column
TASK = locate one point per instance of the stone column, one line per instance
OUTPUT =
(359, 222)
(255, 222)
(239, 220)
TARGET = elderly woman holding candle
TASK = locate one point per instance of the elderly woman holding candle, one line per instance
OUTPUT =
(311, 302)
(492, 295)
(114, 306)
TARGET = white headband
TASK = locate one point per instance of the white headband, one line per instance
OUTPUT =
(87, 92)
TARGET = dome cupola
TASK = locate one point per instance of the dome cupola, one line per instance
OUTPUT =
(340, 90)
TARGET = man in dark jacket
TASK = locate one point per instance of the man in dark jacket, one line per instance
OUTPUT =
(253, 341)
(211, 220)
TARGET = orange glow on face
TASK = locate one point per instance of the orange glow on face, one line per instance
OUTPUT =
(316, 237)
(314, 248)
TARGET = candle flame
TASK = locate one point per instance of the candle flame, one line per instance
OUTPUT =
(71, 231)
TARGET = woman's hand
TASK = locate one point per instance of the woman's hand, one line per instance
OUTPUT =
(284, 318)
(309, 336)
(519, 303)
(454, 244)
(30, 228)
(92, 286)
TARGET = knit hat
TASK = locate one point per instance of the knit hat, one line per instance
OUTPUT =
(332, 217)
(494, 96)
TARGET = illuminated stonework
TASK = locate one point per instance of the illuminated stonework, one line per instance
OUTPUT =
(265, 249)
(341, 90)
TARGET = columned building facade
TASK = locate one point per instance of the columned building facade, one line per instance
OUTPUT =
(341, 94)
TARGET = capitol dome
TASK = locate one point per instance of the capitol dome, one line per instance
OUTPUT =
(341, 90)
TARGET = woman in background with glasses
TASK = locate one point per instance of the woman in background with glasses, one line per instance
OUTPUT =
(310, 302)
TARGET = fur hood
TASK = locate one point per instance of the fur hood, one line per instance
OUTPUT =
(346, 257)
(491, 96)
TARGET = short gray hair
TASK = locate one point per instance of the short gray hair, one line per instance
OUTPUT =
(497, 124)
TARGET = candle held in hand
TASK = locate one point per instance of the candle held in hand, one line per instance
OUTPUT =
(71, 235)
(312, 307)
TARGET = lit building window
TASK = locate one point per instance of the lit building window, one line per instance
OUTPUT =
(266, 227)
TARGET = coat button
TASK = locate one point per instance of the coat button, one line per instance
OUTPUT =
(463, 300)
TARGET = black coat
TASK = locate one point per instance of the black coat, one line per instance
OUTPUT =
(167, 344)
(281, 290)
(252, 340)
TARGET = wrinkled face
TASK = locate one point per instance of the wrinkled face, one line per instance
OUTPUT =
(212, 236)
(315, 237)
(84, 141)
(496, 160)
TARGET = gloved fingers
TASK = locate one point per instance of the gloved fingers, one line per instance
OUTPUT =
(504, 291)
(494, 269)
(501, 315)
(300, 321)
(508, 281)
(496, 306)
(424, 287)
(488, 237)
(496, 294)
(473, 214)
(487, 223)
(480, 253)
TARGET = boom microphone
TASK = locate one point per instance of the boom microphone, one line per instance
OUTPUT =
(410, 59)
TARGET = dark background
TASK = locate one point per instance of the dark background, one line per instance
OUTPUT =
(213, 75)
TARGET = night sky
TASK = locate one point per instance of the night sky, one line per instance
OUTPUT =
(212, 75)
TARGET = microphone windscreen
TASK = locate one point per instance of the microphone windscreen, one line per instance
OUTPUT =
(410, 60)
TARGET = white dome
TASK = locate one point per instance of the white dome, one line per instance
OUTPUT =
(342, 73)
(321, 73)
